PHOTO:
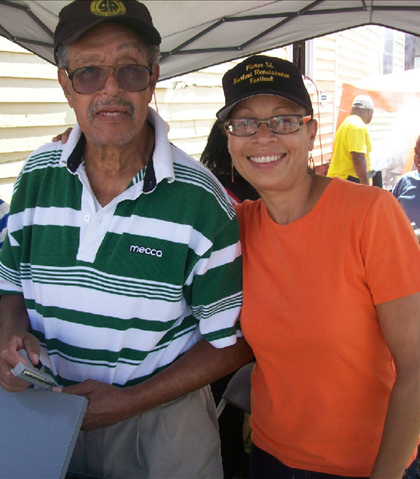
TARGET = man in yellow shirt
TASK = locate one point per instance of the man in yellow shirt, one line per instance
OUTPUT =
(352, 144)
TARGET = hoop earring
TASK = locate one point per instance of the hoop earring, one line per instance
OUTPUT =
(311, 165)
(232, 173)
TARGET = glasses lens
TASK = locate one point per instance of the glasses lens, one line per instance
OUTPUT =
(133, 77)
(282, 125)
(285, 124)
(91, 79)
(88, 80)
(241, 126)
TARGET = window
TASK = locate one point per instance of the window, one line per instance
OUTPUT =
(388, 52)
(411, 52)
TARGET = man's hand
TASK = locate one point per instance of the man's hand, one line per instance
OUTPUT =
(10, 344)
(106, 403)
(199, 366)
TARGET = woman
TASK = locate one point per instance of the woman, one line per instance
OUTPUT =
(217, 159)
(331, 295)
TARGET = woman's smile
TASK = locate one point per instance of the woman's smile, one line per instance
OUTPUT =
(266, 159)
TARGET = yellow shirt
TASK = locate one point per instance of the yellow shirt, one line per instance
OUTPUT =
(352, 135)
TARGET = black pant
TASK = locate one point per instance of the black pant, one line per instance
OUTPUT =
(266, 466)
(353, 179)
(376, 180)
(234, 458)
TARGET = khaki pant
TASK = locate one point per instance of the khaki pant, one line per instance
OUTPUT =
(178, 440)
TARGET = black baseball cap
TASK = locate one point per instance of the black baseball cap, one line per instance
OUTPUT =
(263, 75)
(80, 16)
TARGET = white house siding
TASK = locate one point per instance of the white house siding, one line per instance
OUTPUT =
(33, 109)
(344, 58)
(189, 104)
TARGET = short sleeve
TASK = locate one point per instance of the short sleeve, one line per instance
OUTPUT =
(390, 250)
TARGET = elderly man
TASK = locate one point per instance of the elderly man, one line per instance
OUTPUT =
(352, 144)
(121, 272)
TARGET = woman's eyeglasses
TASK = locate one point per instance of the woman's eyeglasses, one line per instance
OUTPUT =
(281, 124)
(92, 79)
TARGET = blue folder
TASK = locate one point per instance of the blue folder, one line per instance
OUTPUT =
(38, 432)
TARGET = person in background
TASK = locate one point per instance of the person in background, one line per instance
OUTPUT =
(407, 189)
(217, 158)
(331, 296)
(352, 144)
(4, 215)
(122, 270)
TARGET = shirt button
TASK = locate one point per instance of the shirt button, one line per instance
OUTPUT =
(87, 218)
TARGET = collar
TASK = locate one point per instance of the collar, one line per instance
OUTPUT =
(159, 165)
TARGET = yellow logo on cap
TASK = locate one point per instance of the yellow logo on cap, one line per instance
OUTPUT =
(260, 72)
(107, 8)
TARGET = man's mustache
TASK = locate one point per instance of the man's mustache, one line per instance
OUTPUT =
(93, 109)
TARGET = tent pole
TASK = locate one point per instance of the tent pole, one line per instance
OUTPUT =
(299, 56)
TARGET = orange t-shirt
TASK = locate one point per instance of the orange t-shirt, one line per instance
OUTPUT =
(324, 372)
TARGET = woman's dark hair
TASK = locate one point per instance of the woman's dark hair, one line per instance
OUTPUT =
(215, 154)
(217, 158)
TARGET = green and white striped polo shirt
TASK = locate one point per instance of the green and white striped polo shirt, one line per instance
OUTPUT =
(118, 293)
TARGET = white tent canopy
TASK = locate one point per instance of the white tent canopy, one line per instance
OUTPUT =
(197, 34)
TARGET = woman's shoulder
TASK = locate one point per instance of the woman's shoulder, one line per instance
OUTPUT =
(249, 207)
(355, 199)
(344, 187)
(250, 214)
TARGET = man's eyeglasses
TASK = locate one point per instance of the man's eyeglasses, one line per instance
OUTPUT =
(282, 124)
(91, 79)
